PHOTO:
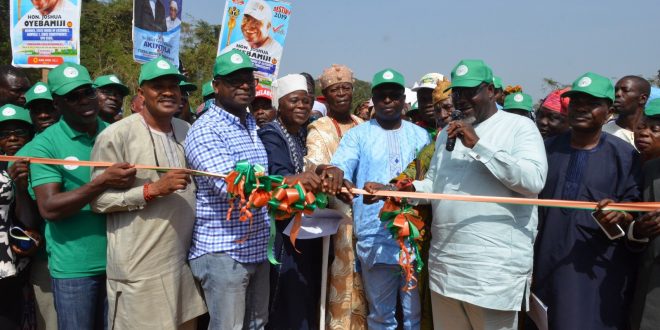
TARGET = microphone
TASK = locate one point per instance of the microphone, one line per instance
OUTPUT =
(451, 142)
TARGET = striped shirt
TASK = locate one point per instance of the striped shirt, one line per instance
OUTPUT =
(215, 143)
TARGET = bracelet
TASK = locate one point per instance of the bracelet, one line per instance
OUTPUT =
(145, 193)
(631, 236)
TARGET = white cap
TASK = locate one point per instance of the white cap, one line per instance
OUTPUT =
(174, 4)
(260, 10)
(287, 84)
(320, 107)
(429, 80)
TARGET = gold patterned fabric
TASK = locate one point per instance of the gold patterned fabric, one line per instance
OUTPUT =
(416, 170)
(346, 302)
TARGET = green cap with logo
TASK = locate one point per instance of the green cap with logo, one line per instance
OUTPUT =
(518, 100)
(497, 82)
(470, 73)
(111, 80)
(414, 107)
(156, 68)
(66, 77)
(653, 108)
(187, 87)
(207, 89)
(388, 76)
(231, 61)
(594, 85)
(14, 112)
(38, 91)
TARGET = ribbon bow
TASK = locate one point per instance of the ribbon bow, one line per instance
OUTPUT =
(405, 224)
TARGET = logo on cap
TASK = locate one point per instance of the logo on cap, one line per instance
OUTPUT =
(163, 65)
(236, 59)
(8, 112)
(518, 98)
(584, 82)
(388, 75)
(40, 89)
(71, 167)
(115, 79)
(462, 70)
(70, 72)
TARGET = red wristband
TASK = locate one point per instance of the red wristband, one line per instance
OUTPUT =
(145, 193)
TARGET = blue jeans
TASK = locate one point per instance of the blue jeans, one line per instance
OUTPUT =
(382, 285)
(236, 294)
(81, 303)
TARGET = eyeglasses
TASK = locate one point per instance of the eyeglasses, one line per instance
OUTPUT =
(17, 133)
(78, 95)
(467, 93)
(388, 94)
(237, 82)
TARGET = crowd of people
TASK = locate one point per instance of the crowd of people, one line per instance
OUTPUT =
(128, 247)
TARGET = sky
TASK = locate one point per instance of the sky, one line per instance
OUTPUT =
(523, 41)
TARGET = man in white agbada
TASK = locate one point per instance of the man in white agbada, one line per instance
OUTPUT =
(173, 21)
(255, 26)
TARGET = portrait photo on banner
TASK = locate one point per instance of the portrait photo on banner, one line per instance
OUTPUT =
(156, 29)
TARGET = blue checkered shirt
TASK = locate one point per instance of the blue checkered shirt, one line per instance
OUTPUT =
(216, 141)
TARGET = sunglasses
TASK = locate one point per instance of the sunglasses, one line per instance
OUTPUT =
(237, 82)
(391, 95)
(78, 95)
(17, 133)
(467, 93)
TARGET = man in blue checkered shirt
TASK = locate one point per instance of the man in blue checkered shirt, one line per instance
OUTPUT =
(233, 275)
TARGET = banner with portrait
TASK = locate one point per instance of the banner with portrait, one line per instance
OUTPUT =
(156, 30)
(44, 34)
(258, 28)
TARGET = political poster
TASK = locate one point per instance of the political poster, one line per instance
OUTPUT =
(44, 34)
(258, 28)
(156, 29)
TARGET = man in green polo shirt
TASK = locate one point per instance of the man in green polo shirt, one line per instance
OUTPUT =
(110, 92)
(39, 101)
(75, 235)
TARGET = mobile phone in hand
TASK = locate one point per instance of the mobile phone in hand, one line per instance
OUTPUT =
(611, 231)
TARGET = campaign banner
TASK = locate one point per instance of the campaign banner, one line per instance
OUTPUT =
(156, 30)
(258, 28)
(44, 34)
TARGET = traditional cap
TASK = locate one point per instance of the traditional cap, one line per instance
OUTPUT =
(520, 101)
(320, 107)
(388, 76)
(207, 88)
(429, 80)
(174, 5)
(38, 91)
(185, 86)
(287, 84)
(231, 61)
(442, 91)
(653, 108)
(66, 77)
(14, 112)
(111, 80)
(260, 10)
(335, 74)
(263, 92)
(594, 85)
(471, 73)
(555, 102)
(156, 68)
(497, 82)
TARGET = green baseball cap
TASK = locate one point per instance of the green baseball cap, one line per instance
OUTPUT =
(497, 82)
(207, 88)
(231, 61)
(413, 107)
(388, 76)
(111, 80)
(470, 73)
(38, 91)
(156, 68)
(187, 87)
(66, 77)
(14, 112)
(594, 85)
(518, 100)
(653, 108)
